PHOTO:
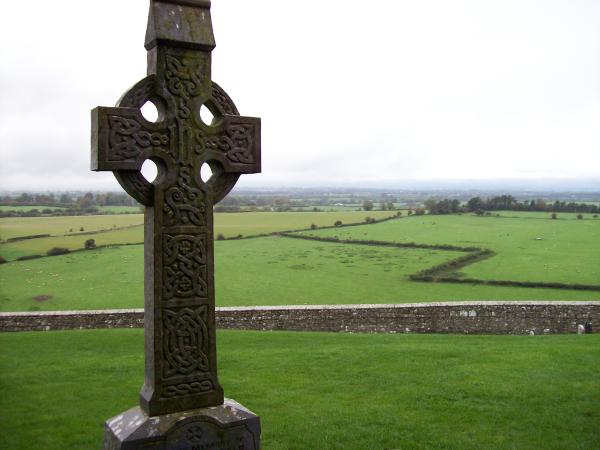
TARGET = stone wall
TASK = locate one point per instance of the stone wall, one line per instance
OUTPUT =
(446, 317)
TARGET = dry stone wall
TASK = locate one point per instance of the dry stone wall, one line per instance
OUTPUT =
(445, 317)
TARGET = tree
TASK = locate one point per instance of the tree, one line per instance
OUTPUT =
(87, 201)
(367, 205)
(89, 244)
(475, 204)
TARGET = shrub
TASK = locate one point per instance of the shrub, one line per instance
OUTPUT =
(580, 216)
(2, 260)
(220, 237)
(554, 216)
(595, 216)
(89, 244)
(26, 257)
(54, 251)
(81, 229)
(337, 223)
(399, 213)
(313, 226)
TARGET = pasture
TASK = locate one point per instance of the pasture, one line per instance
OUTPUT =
(28, 207)
(11, 227)
(527, 248)
(277, 270)
(262, 271)
(322, 390)
(127, 228)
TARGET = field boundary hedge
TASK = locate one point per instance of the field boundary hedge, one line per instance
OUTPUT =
(442, 273)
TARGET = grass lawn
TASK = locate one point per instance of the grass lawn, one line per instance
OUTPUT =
(262, 271)
(228, 224)
(567, 250)
(322, 391)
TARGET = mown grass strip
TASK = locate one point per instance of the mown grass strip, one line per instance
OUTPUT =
(322, 391)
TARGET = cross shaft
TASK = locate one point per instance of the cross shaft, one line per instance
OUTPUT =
(181, 369)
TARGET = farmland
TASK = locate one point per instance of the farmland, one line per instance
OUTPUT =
(527, 248)
(403, 391)
(57, 226)
(28, 207)
(262, 271)
(72, 231)
(275, 270)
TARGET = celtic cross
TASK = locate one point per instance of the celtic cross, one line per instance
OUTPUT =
(181, 371)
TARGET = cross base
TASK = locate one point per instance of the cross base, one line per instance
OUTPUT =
(229, 426)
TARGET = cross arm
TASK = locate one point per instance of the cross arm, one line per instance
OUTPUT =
(235, 142)
(122, 139)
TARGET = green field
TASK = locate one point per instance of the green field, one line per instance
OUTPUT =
(252, 223)
(129, 235)
(262, 271)
(11, 227)
(117, 209)
(544, 215)
(28, 207)
(228, 224)
(528, 249)
(322, 391)
(279, 270)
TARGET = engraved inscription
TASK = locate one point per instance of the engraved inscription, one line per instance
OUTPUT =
(202, 435)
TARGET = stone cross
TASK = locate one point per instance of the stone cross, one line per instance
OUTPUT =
(180, 348)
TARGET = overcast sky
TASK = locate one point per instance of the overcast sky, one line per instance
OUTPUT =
(348, 91)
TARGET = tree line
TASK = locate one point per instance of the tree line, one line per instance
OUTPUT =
(64, 204)
(506, 203)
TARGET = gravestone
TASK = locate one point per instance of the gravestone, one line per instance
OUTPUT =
(181, 402)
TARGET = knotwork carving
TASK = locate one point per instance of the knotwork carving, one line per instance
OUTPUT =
(236, 144)
(128, 138)
(182, 389)
(183, 202)
(223, 100)
(184, 342)
(184, 266)
(184, 81)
